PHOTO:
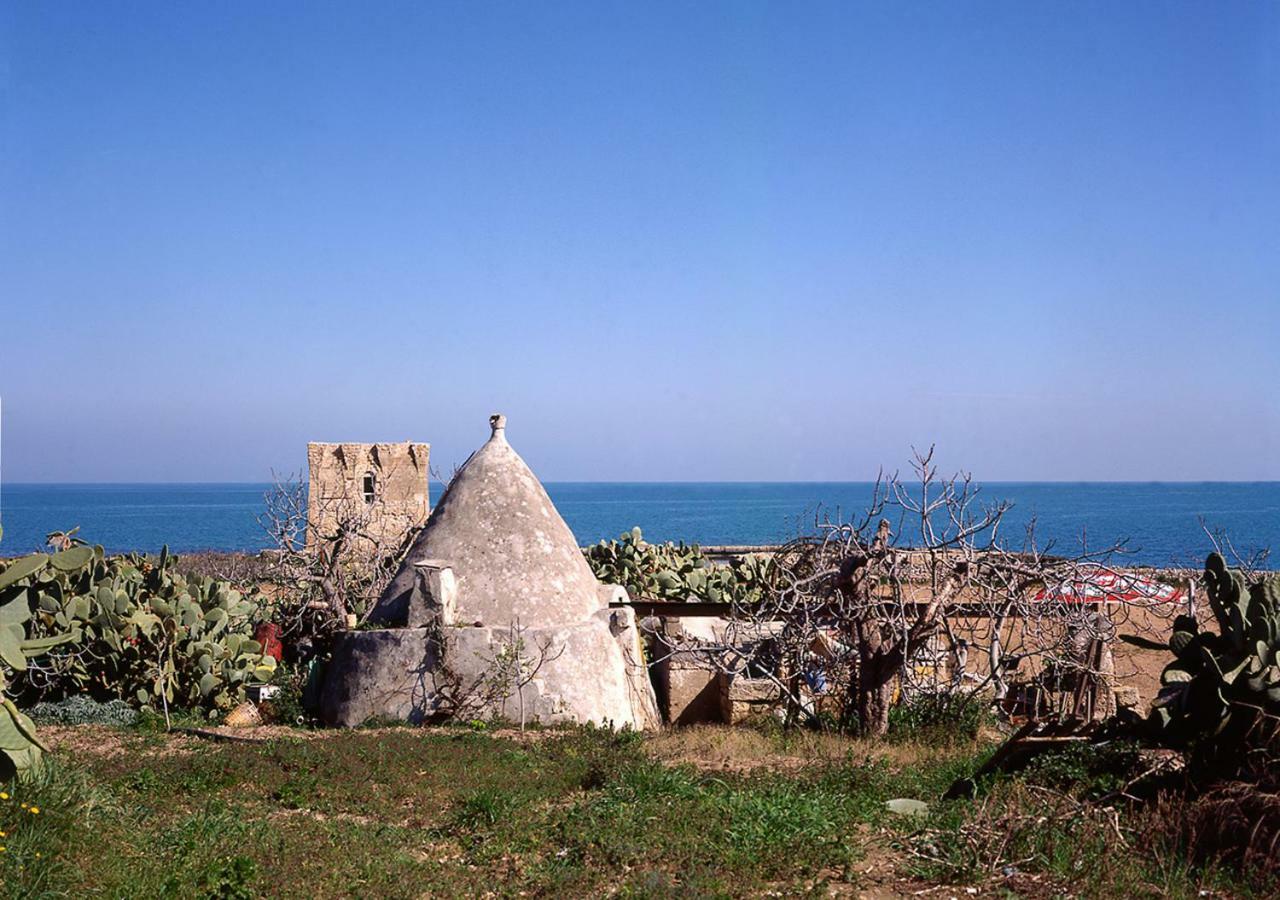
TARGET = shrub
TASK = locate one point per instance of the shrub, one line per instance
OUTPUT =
(1092, 769)
(139, 631)
(20, 749)
(940, 717)
(241, 569)
(83, 710)
(1234, 826)
(286, 706)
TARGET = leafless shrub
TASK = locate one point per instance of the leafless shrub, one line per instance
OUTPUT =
(508, 668)
(1250, 563)
(1235, 824)
(899, 598)
(245, 570)
(1019, 828)
(328, 581)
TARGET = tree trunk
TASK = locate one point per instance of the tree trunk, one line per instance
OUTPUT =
(873, 688)
(875, 698)
(995, 660)
(879, 654)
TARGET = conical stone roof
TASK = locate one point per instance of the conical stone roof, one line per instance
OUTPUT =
(512, 554)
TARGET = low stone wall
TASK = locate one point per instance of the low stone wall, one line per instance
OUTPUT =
(744, 699)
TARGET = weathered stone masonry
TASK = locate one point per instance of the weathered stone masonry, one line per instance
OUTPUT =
(383, 486)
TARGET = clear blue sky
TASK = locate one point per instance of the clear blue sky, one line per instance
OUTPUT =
(699, 241)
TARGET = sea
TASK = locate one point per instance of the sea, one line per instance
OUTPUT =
(1164, 524)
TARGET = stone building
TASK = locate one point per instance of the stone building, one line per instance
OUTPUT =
(381, 487)
(494, 613)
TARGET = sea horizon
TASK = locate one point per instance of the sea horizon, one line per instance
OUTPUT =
(1161, 519)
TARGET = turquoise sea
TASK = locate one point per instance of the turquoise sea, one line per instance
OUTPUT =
(1162, 521)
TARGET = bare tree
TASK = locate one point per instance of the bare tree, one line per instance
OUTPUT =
(1250, 563)
(859, 608)
(328, 578)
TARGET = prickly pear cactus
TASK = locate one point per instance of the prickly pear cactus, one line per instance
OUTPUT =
(135, 630)
(1218, 683)
(20, 748)
(675, 572)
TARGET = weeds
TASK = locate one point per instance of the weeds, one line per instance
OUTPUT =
(1062, 822)
(1085, 769)
(939, 718)
(1234, 827)
(42, 820)
(1015, 828)
(481, 810)
(228, 878)
(286, 705)
(408, 812)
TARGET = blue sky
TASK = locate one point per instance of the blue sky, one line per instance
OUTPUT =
(733, 241)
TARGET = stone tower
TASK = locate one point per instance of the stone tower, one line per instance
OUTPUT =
(383, 487)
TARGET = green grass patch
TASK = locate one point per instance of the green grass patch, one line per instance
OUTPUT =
(408, 813)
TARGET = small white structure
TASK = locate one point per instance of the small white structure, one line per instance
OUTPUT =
(495, 612)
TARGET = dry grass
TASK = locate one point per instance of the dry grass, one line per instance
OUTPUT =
(403, 812)
(1236, 825)
(726, 748)
(106, 741)
(705, 747)
(707, 811)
